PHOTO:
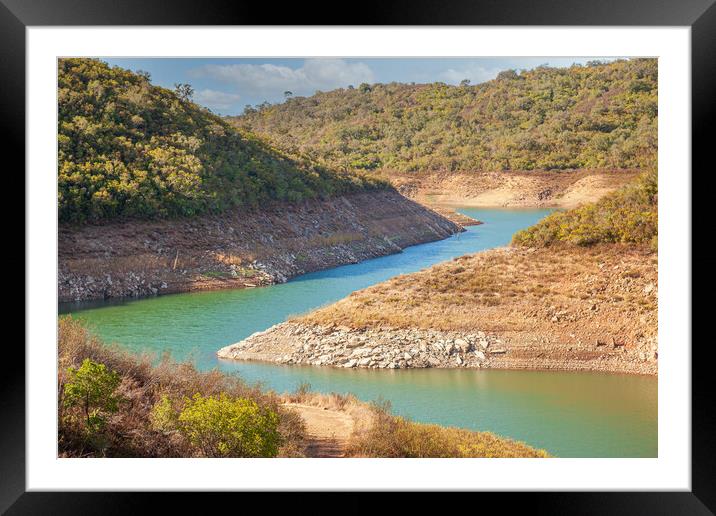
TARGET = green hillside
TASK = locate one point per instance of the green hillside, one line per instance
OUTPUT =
(627, 215)
(594, 116)
(131, 149)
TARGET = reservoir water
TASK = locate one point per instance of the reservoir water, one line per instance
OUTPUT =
(568, 414)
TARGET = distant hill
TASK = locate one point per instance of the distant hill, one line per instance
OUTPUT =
(131, 149)
(594, 116)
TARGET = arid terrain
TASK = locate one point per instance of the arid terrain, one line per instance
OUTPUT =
(568, 308)
(240, 249)
(563, 189)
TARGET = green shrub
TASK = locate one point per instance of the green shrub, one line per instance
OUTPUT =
(163, 416)
(628, 215)
(91, 390)
(603, 115)
(229, 427)
(127, 148)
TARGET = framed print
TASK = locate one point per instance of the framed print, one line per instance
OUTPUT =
(429, 256)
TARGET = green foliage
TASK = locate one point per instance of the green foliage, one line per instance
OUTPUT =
(595, 116)
(230, 427)
(131, 149)
(91, 389)
(628, 215)
(163, 416)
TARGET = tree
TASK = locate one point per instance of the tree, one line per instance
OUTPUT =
(184, 91)
(91, 389)
(287, 94)
(465, 82)
(507, 75)
(364, 87)
(229, 427)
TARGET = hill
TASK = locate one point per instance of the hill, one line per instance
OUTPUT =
(595, 116)
(628, 215)
(128, 148)
(576, 291)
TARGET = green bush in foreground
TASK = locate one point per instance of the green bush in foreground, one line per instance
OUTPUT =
(222, 426)
(91, 389)
(628, 215)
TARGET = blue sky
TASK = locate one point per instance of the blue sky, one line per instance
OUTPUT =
(226, 85)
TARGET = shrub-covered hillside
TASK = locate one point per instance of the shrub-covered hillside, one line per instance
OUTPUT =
(600, 115)
(628, 215)
(128, 148)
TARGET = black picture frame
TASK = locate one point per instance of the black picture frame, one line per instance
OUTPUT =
(700, 15)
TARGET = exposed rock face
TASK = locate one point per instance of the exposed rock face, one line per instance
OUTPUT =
(390, 348)
(527, 189)
(240, 249)
(294, 343)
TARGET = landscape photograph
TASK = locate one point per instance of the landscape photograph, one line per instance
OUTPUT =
(330, 257)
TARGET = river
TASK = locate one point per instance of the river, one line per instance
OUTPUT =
(570, 414)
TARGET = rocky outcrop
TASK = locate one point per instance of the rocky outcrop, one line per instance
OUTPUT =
(239, 248)
(391, 348)
(295, 343)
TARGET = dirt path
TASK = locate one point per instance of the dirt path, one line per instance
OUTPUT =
(328, 430)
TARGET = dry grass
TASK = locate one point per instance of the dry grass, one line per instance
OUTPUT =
(378, 433)
(129, 432)
(505, 290)
(391, 436)
(360, 411)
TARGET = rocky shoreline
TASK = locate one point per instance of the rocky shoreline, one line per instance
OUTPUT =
(240, 249)
(392, 348)
(558, 308)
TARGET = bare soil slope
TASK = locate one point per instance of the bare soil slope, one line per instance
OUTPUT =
(240, 249)
(566, 189)
(568, 308)
(328, 430)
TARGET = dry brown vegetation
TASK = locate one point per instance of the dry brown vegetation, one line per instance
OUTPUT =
(564, 307)
(132, 431)
(393, 436)
(379, 433)
(506, 289)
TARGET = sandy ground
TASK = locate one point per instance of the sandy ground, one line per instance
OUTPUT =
(328, 430)
(566, 189)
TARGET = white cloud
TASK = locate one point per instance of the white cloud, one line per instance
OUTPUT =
(216, 100)
(270, 81)
(476, 74)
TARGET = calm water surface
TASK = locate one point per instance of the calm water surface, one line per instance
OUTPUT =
(569, 414)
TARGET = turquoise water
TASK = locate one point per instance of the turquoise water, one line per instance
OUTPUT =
(569, 414)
